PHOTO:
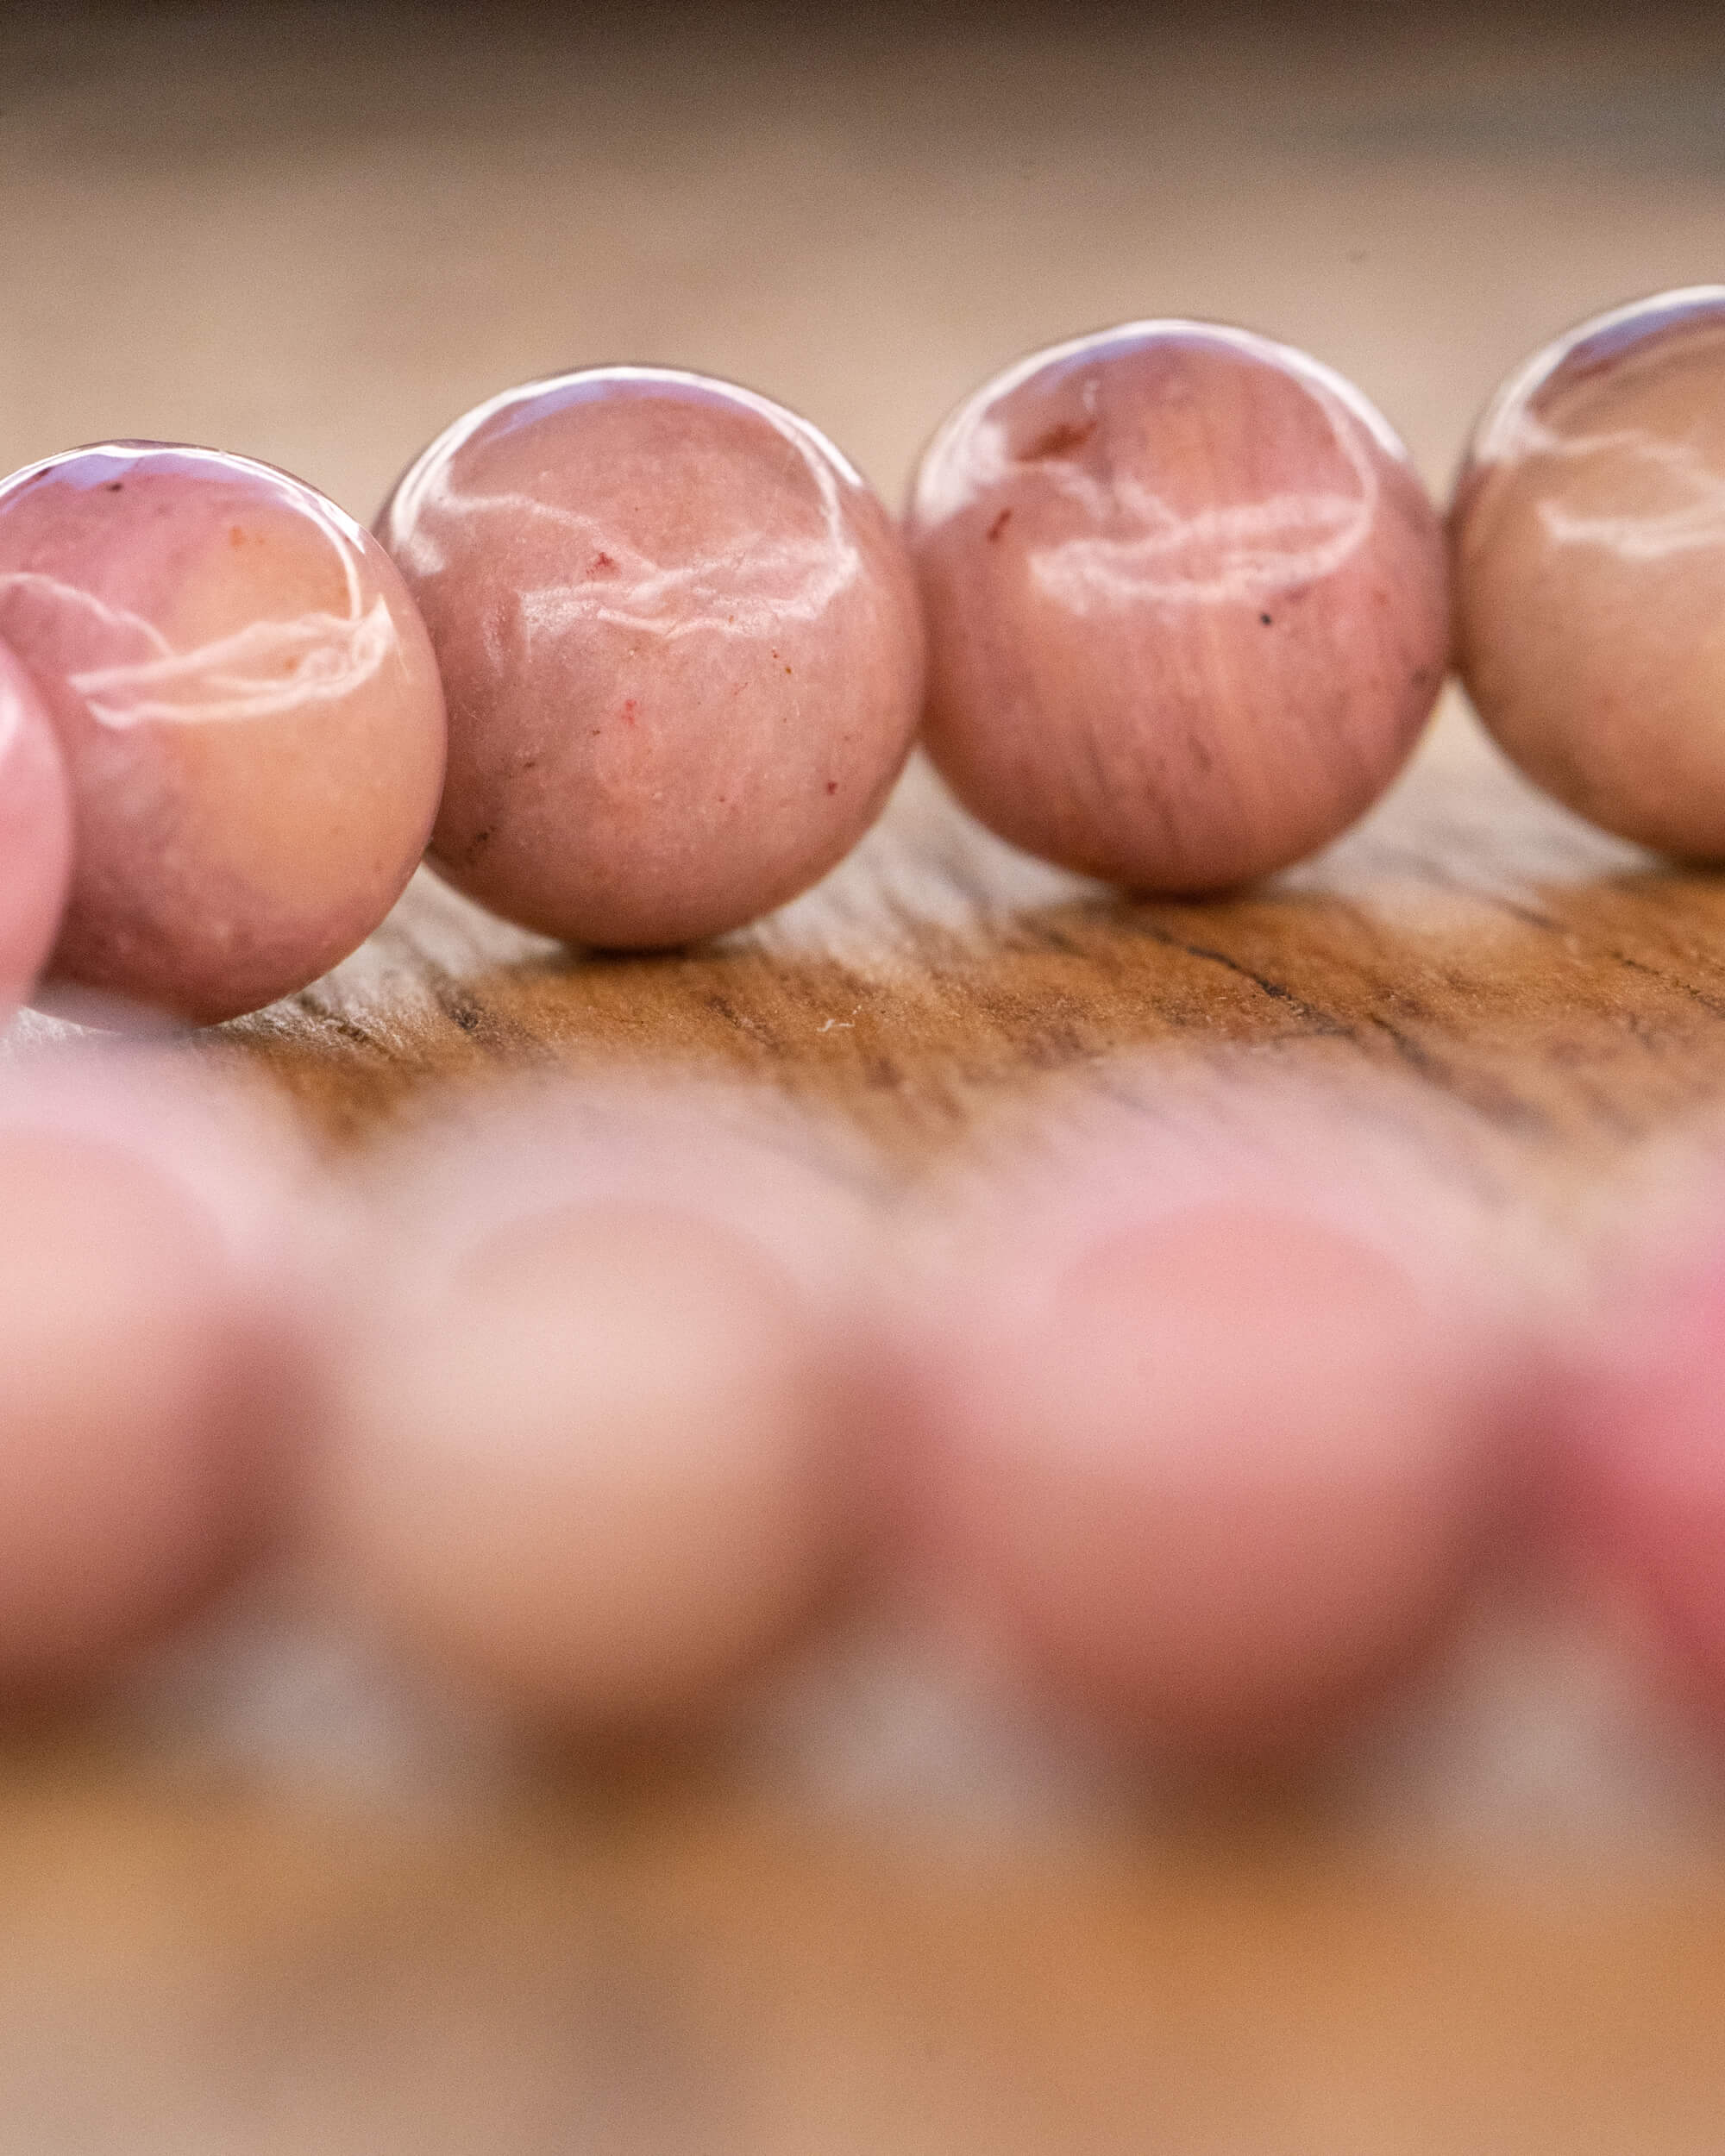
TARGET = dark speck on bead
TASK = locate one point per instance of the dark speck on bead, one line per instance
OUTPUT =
(1060, 440)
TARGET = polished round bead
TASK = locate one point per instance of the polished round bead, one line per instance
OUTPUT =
(152, 1332)
(1185, 604)
(1641, 1466)
(249, 712)
(1588, 538)
(595, 1450)
(1212, 1471)
(36, 834)
(681, 647)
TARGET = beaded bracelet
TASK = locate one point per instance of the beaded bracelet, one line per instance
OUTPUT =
(1219, 1463)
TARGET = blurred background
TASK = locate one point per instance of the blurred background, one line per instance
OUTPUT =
(315, 233)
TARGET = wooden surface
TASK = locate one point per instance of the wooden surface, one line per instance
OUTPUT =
(267, 1900)
(1562, 993)
(199, 1983)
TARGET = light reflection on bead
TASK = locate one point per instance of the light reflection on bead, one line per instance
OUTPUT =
(36, 834)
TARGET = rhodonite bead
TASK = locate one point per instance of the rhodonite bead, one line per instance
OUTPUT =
(1637, 1412)
(1185, 604)
(680, 644)
(248, 710)
(36, 834)
(1588, 536)
(152, 1333)
(595, 1447)
(1196, 1451)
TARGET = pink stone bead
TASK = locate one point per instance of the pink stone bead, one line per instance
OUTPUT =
(151, 1336)
(1185, 604)
(36, 834)
(680, 642)
(591, 1482)
(595, 1450)
(1588, 535)
(1642, 1460)
(1214, 1470)
(249, 711)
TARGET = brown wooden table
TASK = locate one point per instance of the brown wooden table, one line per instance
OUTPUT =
(268, 1900)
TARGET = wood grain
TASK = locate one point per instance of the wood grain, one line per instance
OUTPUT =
(313, 234)
(1565, 991)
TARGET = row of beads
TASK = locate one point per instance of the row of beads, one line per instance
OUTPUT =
(596, 1401)
(1170, 605)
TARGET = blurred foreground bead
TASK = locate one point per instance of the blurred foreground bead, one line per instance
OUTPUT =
(149, 1340)
(36, 834)
(1210, 1467)
(1186, 605)
(680, 642)
(1588, 538)
(595, 1450)
(1642, 1424)
(249, 712)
